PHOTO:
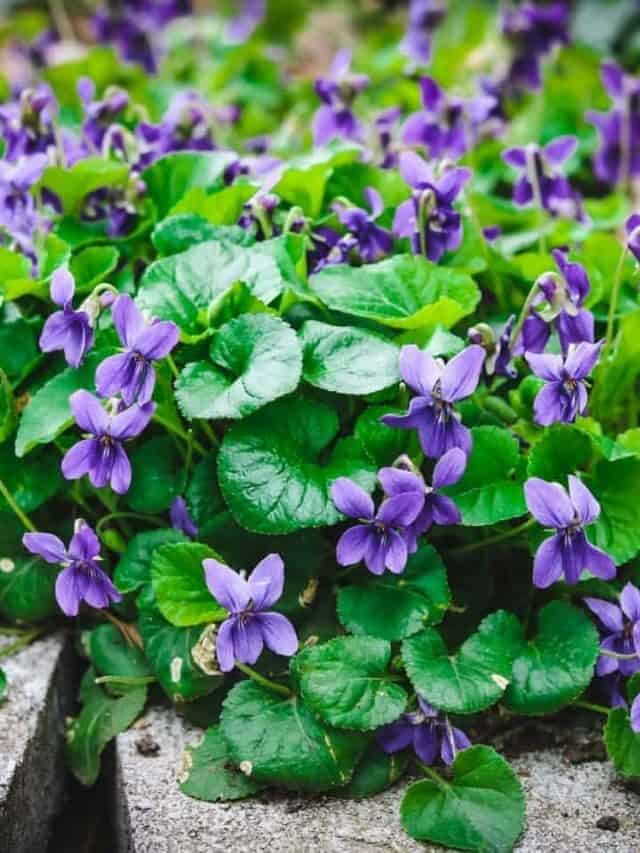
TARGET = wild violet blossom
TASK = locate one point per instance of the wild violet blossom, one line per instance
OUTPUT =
(338, 91)
(26, 125)
(497, 346)
(101, 454)
(564, 396)
(68, 330)
(446, 126)
(100, 115)
(568, 552)
(563, 296)
(385, 125)
(131, 373)
(250, 625)
(380, 538)
(541, 181)
(618, 157)
(620, 627)
(426, 730)
(185, 126)
(533, 29)
(20, 219)
(181, 519)
(371, 240)
(438, 387)
(424, 17)
(428, 218)
(632, 227)
(437, 508)
(81, 579)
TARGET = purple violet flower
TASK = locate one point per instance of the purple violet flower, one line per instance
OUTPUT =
(424, 17)
(438, 387)
(618, 157)
(541, 182)
(632, 227)
(428, 218)
(385, 126)
(101, 454)
(67, 330)
(99, 116)
(20, 219)
(380, 539)
(568, 552)
(27, 125)
(185, 126)
(441, 126)
(563, 295)
(499, 353)
(620, 626)
(337, 91)
(181, 519)
(437, 508)
(372, 241)
(131, 373)
(81, 579)
(429, 733)
(564, 397)
(250, 625)
(533, 29)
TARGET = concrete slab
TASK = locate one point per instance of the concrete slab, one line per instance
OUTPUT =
(32, 773)
(565, 803)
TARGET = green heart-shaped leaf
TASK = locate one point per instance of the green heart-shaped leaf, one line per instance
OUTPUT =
(179, 584)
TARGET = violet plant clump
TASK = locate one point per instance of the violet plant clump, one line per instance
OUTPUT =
(361, 324)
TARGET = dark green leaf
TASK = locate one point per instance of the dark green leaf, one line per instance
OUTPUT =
(376, 771)
(110, 653)
(27, 589)
(617, 529)
(134, 567)
(382, 444)
(209, 774)
(177, 233)
(157, 476)
(561, 451)
(623, 744)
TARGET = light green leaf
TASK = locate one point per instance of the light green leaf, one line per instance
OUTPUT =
(257, 358)
(173, 175)
(73, 184)
(404, 292)
(179, 584)
(93, 265)
(347, 360)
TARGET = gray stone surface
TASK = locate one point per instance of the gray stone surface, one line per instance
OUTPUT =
(32, 774)
(564, 802)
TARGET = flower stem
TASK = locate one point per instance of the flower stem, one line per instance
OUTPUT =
(532, 174)
(176, 430)
(172, 366)
(523, 314)
(23, 641)
(126, 680)
(24, 518)
(429, 771)
(264, 682)
(606, 653)
(494, 540)
(613, 303)
(590, 706)
(149, 519)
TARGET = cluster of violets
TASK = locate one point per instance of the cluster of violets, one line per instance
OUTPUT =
(424, 147)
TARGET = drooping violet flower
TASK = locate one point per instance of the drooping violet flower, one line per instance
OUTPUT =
(257, 214)
(327, 247)
(385, 127)
(620, 628)
(424, 17)
(116, 206)
(564, 397)
(181, 519)
(67, 330)
(338, 91)
(380, 537)
(618, 157)
(27, 125)
(101, 454)
(428, 218)
(250, 625)
(437, 508)
(632, 227)
(246, 21)
(446, 126)
(81, 579)
(372, 241)
(568, 552)
(438, 387)
(563, 296)
(185, 126)
(533, 29)
(20, 219)
(99, 116)
(131, 373)
(499, 353)
(429, 733)
(541, 181)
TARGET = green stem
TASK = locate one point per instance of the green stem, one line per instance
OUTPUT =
(590, 706)
(494, 540)
(172, 366)
(264, 682)
(429, 771)
(21, 643)
(24, 518)
(515, 334)
(149, 519)
(606, 653)
(176, 430)
(126, 680)
(208, 431)
(613, 303)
